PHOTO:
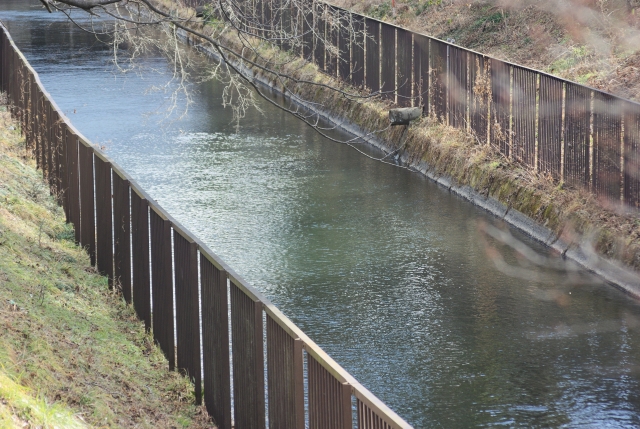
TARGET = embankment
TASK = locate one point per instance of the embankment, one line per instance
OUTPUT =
(72, 353)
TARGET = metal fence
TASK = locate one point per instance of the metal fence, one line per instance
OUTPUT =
(146, 253)
(579, 135)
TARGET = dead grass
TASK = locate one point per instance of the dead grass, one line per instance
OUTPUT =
(70, 348)
(593, 42)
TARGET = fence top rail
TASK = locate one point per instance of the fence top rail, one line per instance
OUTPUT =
(45, 93)
(359, 391)
(310, 346)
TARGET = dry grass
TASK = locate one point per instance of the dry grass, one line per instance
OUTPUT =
(594, 42)
(71, 352)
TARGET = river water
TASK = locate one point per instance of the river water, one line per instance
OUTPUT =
(387, 272)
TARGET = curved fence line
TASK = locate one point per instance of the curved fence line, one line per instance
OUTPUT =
(584, 137)
(188, 297)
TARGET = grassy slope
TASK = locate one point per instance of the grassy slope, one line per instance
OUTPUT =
(594, 42)
(72, 354)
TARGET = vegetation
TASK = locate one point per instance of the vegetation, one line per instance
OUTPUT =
(594, 42)
(72, 353)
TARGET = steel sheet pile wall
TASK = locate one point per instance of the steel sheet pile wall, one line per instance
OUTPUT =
(319, 35)
(162, 283)
(523, 113)
(121, 235)
(140, 257)
(577, 135)
(307, 30)
(248, 359)
(185, 254)
(332, 14)
(215, 331)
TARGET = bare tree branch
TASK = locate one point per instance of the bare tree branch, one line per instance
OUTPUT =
(253, 31)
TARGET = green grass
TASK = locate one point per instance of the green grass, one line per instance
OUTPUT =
(72, 353)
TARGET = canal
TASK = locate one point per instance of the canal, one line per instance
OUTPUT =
(390, 274)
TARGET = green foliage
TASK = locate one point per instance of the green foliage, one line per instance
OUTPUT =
(420, 7)
(490, 21)
(380, 11)
(572, 58)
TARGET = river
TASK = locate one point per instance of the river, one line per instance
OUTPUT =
(387, 272)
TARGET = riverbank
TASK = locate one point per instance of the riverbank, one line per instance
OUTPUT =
(72, 353)
(598, 236)
(594, 43)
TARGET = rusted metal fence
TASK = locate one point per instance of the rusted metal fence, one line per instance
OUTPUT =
(187, 297)
(582, 136)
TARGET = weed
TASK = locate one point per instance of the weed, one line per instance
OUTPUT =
(421, 7)
(380, 11)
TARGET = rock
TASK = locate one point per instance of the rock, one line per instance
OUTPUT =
(404, 115)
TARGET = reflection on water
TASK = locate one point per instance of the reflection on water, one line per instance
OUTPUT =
(391, 275)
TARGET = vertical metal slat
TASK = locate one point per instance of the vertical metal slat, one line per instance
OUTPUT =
(215, 341)
(372, 60)
(248, 360)
(388, 61)
(104, 233)
(577, 134)
(87, 208)
(140, 258)
(524, 115)
(187, 309)
(122, 235)
(162, 285)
